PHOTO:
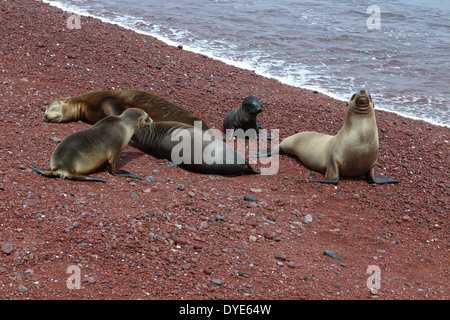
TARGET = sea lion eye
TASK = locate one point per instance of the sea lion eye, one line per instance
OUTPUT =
(353, 97)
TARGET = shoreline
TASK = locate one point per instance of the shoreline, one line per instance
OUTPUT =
(237, 64)
(178, 235)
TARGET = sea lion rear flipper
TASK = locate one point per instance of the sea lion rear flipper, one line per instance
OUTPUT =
(47, 173)
(76, 177)
(93, 179)
(80, 177)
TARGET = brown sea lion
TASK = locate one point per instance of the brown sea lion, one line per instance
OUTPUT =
(93, 106)
(88, 150)
(192, 149)
(352, 152)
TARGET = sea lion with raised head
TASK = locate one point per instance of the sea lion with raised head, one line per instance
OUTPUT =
(243, 118)
(192, 148)
(352, 152)
(88, 150)
(94, 106)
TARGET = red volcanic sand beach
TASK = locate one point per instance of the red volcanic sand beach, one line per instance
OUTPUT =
(183, 235)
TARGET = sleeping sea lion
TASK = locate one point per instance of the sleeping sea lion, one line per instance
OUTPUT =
(93, 106)
(352, 152)
(88, 150)
(192, 149)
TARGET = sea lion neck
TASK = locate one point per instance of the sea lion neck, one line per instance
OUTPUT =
(362, 108)
(80, 111)
(244, 115)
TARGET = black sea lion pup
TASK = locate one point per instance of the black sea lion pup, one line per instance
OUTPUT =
(192, 149)
(352, 152)
(243, 118)
(93, 106)
(86, 151)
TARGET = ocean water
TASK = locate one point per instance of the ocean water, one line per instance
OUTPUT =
(398, 50)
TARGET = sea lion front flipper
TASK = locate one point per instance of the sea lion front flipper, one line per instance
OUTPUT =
(119, 172)
(380, 180)
(123, 173)
(332, 173)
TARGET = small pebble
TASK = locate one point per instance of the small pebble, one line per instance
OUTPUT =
(7, 248)
(134, 195)
(198, 246)
(178, 240)
(331, 254)
(249, 198)
(150, 179)
(89, 279)
(280, 256)
(22, 288)
(29, 272)
(252, 238)
(217, 281)
(308, 219)
(208, 270)
(268, 234)
(170, 164)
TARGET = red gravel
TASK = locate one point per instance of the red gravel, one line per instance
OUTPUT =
(135, 239)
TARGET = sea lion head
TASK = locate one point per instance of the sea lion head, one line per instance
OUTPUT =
(361, 102)
(60, 110)
(252, 106)
(140, 117)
